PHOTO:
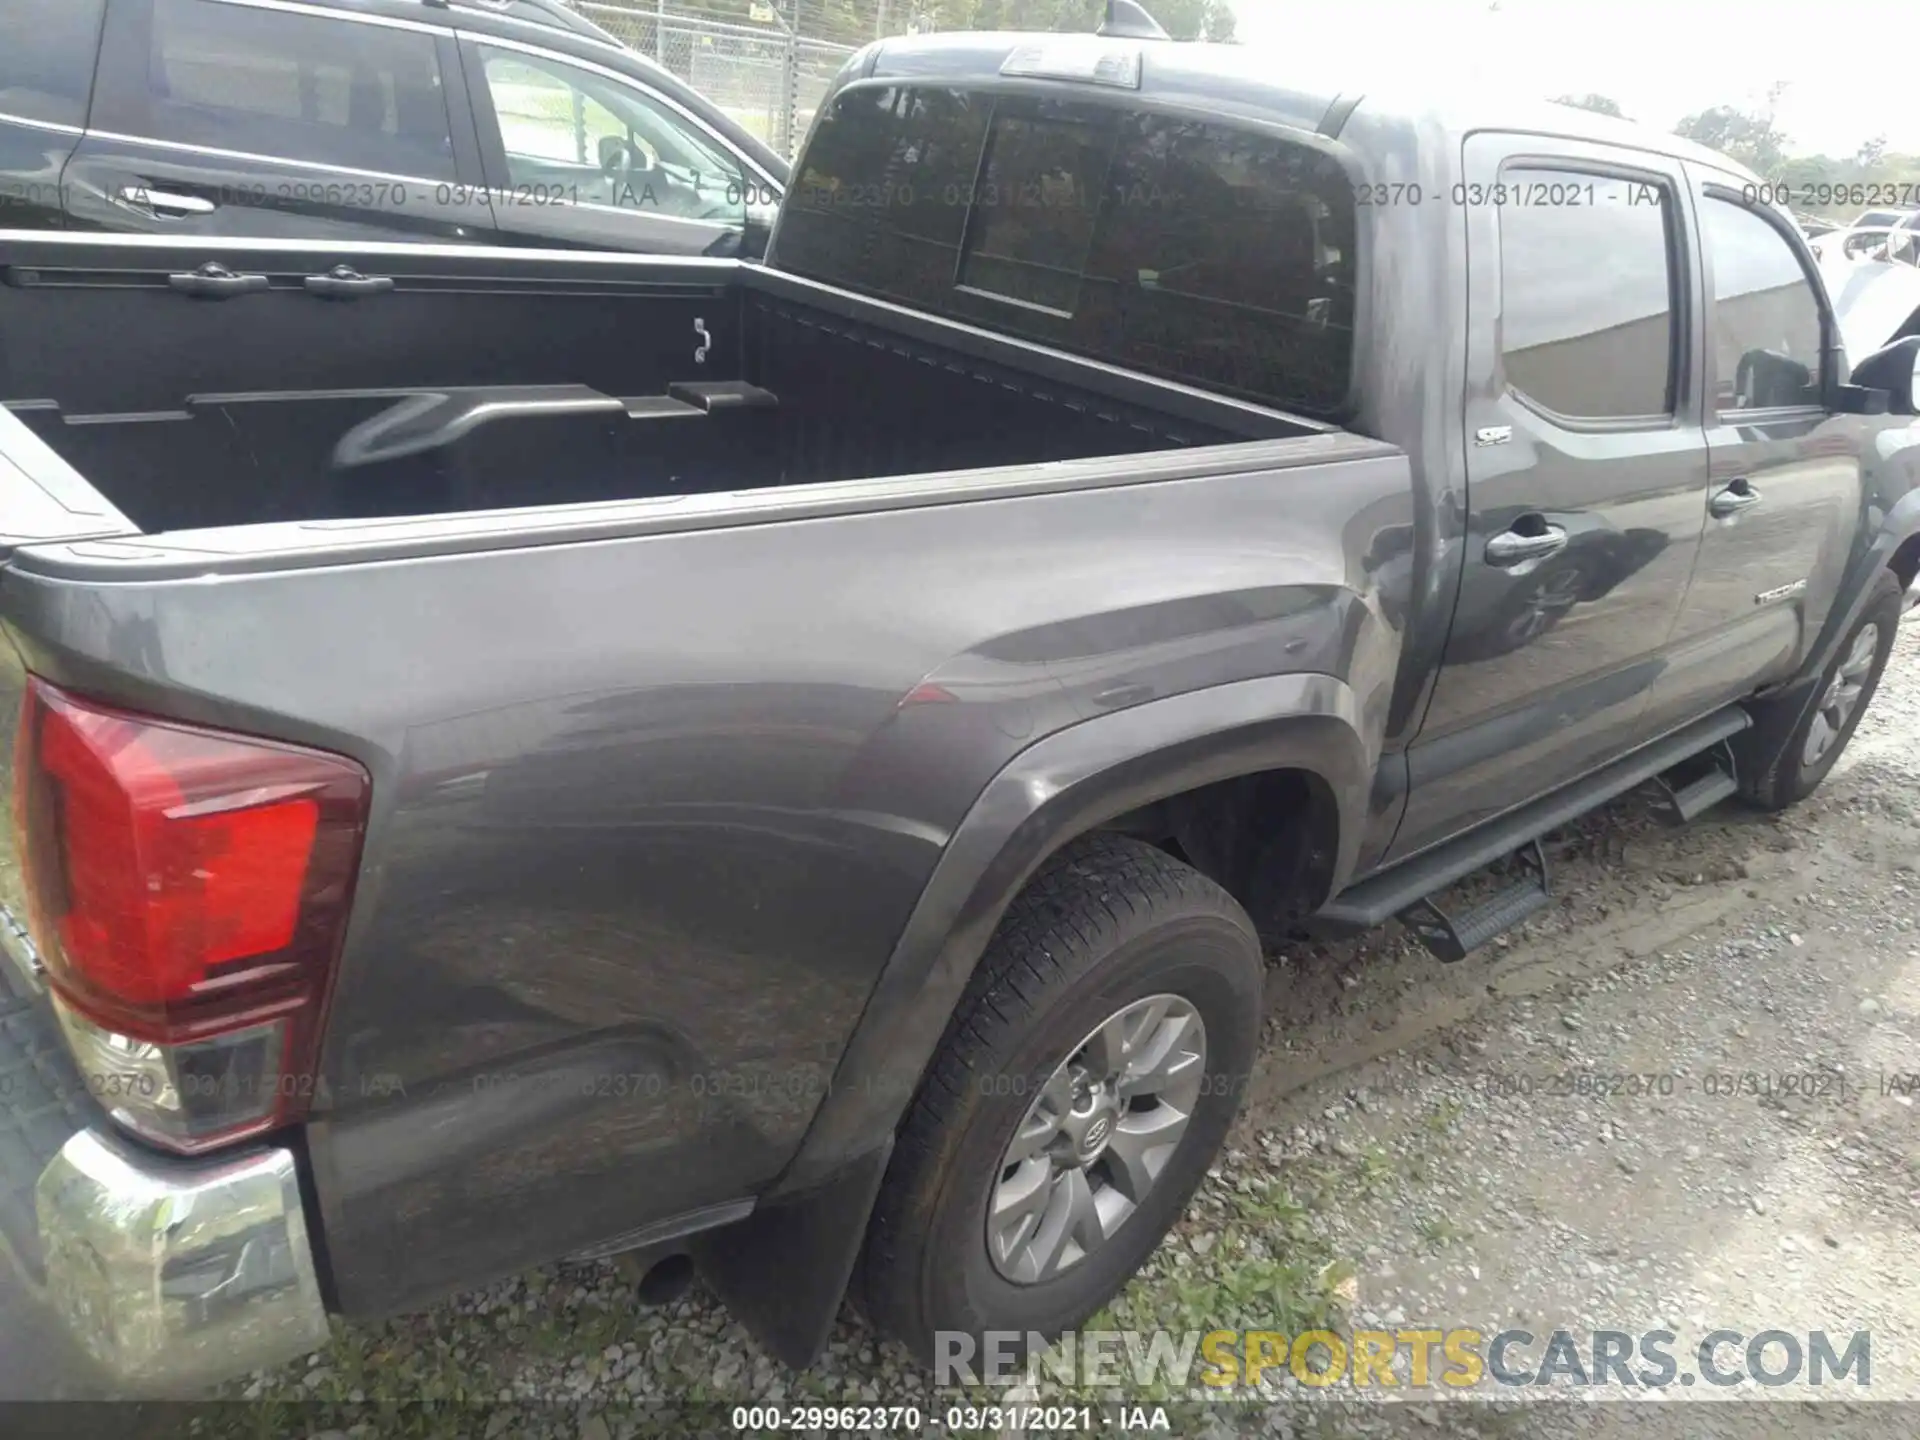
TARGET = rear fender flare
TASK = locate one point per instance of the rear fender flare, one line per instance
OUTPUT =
(1053, 792)
(1898, 525)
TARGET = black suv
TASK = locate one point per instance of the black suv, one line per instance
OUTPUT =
(515, 122)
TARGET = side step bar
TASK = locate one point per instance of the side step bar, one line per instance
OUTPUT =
(1405, 886)
(1695, 786)
(1454, 937)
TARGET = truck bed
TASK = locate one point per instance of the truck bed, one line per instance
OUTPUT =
(525, 380)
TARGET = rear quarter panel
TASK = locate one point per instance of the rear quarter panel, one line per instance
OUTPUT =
(652, 810)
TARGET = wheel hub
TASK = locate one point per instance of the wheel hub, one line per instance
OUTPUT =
(1089, 1125)
(1096, 1138)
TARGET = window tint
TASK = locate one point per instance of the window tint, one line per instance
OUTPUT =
(1764, 320)
(881, 197)
(1586, 293)
(585, 139)
(331, 92)
(1188, 249)
(47, 50)
(1034, 215)
(1227, 258)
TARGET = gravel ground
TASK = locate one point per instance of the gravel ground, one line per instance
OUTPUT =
(1422, 1147)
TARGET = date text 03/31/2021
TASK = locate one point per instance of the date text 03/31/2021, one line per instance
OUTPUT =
(963, 1419)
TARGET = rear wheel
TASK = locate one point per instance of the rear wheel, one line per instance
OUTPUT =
(1084, 1085)
(1793, 746)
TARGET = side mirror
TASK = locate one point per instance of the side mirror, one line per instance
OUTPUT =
(1765, 380)
(1867, 242)
(1895, 370)
(624, 157)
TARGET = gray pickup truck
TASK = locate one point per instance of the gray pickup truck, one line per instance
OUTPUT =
(784, 770)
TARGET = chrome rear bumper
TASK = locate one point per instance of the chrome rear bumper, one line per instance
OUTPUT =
(175, 1275)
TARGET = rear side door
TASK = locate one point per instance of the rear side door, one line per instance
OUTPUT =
(1785, 495)
(1585, 462)
(576, 153)
(227, 117)
(47, 52)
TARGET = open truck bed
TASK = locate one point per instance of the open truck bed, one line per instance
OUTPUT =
(283, 388)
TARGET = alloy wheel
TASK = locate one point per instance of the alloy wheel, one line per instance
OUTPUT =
(1842, 697)
(1096, 1139)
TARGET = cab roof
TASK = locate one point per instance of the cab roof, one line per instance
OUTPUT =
(1306, 91)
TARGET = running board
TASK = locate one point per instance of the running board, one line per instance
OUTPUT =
(1695, 786)
(1454, 937)
(1379, 898)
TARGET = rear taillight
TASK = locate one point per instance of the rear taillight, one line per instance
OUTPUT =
(188, 890)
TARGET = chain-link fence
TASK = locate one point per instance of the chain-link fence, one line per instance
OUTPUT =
(768, 79)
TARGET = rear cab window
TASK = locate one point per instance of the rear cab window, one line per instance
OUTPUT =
(1198, 251)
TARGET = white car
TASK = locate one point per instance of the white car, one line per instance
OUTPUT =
(1881, 219)
(1896, 240)
(1874, 302)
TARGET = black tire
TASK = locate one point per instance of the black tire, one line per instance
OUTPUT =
(1109, 921)
(1775, 771)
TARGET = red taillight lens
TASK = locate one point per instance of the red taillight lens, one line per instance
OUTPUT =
(188, 890)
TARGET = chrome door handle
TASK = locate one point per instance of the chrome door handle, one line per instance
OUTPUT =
(1731, 501)
(163, 204)
(1512, 548)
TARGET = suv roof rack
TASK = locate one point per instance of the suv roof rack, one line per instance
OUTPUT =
(553, 14)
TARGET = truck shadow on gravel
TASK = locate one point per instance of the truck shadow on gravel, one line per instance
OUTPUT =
(1625, 886)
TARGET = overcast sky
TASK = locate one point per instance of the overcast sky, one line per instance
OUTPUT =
(1661, 59)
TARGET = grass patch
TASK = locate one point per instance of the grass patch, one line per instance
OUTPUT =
(1269, 1268)
(1375, 1175)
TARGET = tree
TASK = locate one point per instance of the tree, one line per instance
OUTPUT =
(1750, 137)
(1216, 23)
(1872, 152)
(1599, 104)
